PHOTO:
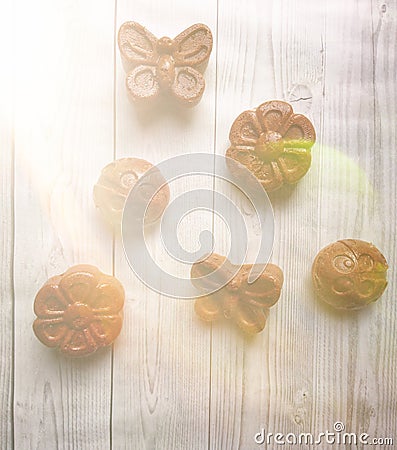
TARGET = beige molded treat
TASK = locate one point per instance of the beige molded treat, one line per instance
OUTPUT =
(349, 274)
(247, 304)
(79, 311)
(115, 183)
(171, 66)
(273, 143)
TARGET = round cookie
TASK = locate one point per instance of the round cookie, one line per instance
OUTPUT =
(115, 183)
(349, 274)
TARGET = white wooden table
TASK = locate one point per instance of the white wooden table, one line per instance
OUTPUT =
(171, 382)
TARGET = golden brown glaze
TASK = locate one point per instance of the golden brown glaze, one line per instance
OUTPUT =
(247, 304)
(172, 66)
(349, 274)
(273, 143)
(115, 183)
(79, 311)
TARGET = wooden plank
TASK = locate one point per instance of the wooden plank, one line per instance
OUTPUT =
(7, 228)
(264, 57)
(162, 363)
(245, 79)
(299, 64)
(384, 23)
(176, 382)
(345, 368)
(63, 137)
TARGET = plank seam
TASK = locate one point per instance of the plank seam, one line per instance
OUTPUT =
(12, 278)
(113, 233)
(213, 204)
(12, 262)
(314, 415)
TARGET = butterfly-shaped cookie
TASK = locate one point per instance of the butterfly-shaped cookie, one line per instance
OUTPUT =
(172, 66)
(233, 297)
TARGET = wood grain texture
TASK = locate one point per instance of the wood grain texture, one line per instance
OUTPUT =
(172, 382)
(261, 390)
(245, 79)
(162, 361)
(293, 379)
(384, 33)
(63, 137)
(346, 369)
(7, 228)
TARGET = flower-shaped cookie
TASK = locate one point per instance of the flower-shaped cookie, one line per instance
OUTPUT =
(232, 296)
(273, 143)
(79, 311)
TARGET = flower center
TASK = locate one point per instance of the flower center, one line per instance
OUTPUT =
(78, 316)
(269, 145)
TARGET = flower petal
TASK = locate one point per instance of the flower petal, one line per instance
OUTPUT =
(50, 301)
(106, 329)
(299, 130)
(78, 343)
(244, 165)
(250, 319)
(78, 283)
(108, 297)
(294, 163)
(273, 115)
(246, 129)
(243, 155)
(208, 308)
(50, 331)
(270, 176)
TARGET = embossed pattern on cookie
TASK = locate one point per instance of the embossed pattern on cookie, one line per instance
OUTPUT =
(172, 66)
(115, 183)
(79, 311)
(273, 143)
(247, 304)
(349, 274)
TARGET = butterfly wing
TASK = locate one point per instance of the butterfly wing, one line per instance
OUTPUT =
(142, 83)
(250, 319)
(193, 46)
(265, 291)
(211, 274)
(188, 86)
(137, 45)
(208, 308)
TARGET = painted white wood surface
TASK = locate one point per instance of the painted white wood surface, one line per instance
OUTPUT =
(162, 362)
(171, 382)
(63, 137)
(6, 235)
